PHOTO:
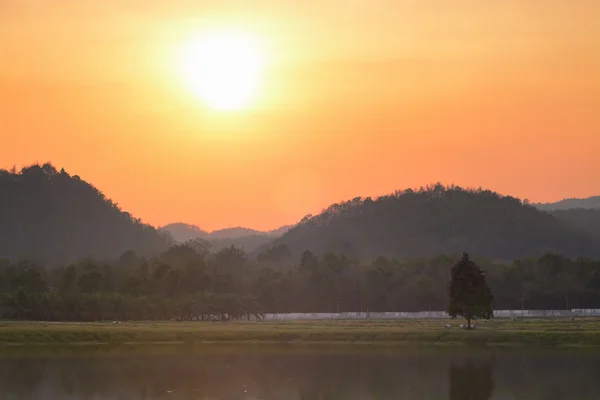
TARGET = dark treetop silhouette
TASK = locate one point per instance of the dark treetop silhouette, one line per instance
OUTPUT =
(469, 294)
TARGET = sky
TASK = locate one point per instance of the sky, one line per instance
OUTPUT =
(358, 98)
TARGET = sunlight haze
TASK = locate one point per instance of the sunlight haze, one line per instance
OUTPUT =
(315, 102)
(223, 68)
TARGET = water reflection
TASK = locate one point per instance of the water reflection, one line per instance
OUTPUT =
(239, 374)
(471, 380)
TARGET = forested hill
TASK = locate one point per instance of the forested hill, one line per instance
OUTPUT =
(439, 220)
(51, 216)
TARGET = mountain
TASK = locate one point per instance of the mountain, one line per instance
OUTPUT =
(586, 219)
(438, 220)
(279, 231)
(244, 238)
(51, 216)
(587, 203)
(182, 232)
(235, 232)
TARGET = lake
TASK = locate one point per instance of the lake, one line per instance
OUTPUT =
(298, 372)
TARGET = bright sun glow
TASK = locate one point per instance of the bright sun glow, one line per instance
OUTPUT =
(223, 69)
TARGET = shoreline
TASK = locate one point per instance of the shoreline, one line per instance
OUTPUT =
(394, 344)
(494, 333)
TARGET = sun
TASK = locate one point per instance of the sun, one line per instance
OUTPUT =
(223, 69)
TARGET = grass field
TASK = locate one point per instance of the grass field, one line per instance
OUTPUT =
(546, 332)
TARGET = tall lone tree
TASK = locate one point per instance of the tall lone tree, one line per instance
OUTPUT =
(470, 295)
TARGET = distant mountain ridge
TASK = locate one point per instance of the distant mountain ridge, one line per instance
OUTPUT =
(55, 217)
(586, 219)
(181, 232)
(565, 204)
(245, 238)
(440, 220)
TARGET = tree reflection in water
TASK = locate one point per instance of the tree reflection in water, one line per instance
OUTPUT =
(472, 379)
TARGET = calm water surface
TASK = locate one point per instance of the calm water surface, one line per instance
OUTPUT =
(256, 372)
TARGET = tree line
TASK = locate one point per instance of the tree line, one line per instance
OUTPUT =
(188, 282)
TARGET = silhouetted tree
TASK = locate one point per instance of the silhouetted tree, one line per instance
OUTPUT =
(470, 295)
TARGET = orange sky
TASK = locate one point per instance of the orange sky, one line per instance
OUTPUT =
(359, 98)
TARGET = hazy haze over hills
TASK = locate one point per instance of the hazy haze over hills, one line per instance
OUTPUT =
(584, 213)
(245, 238)
(586, 219)
(182, 232)
(565, 204)
(52, 216)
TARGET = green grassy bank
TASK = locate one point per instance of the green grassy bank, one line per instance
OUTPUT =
(547, 332)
